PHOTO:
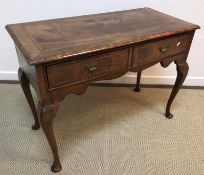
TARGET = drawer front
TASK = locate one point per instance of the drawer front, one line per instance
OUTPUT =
(85, 69)
(156, 50)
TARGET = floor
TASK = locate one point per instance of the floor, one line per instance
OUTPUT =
(106, 131)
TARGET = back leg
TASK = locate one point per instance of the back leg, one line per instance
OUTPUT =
(137, 88)
(26, 89)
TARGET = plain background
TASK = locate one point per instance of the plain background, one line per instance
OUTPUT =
(15, 11)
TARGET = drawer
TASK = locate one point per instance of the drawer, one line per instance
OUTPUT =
(156, 50)
(71, 72)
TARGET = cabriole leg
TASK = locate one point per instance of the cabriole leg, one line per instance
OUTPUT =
(46, 118)
(182, 71)
(26, 89)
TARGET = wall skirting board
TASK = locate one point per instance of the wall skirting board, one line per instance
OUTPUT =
(157, 80)
(128, 79)
(6, 75)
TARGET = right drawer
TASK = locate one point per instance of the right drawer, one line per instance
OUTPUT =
(156, 50)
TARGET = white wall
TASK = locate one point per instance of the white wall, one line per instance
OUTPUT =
(13, 11)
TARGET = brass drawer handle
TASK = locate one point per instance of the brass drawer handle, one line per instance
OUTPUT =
(163, 49)
(92, 67)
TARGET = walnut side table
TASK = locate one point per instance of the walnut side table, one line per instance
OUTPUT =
(62, 56)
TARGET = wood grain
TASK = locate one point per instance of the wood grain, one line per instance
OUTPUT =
(57, 39)
(76, 71)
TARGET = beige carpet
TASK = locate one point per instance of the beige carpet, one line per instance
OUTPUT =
(106, 131)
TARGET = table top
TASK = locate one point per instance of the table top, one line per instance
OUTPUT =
(57, 39)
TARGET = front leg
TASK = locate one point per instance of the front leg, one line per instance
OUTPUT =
(46, 118)
(182, 71)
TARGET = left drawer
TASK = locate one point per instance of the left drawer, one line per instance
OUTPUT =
(93, 67)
